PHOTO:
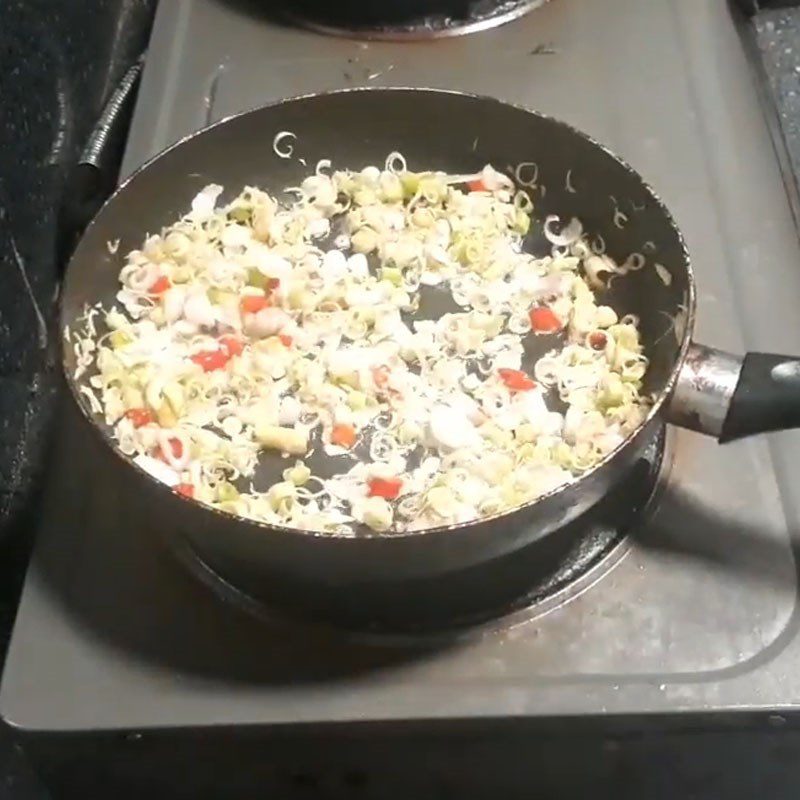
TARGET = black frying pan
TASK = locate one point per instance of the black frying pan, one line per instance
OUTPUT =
(363, 576)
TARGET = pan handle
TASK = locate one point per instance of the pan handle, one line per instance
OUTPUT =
(730, 397)
(767, 396)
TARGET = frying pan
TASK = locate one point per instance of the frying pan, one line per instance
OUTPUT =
(337, 576)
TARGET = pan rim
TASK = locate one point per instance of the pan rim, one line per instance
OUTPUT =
(655, 411)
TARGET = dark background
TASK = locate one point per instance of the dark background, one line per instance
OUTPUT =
(59, 62)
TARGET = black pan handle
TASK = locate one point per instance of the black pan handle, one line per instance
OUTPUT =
(766, 398)
(751, 7)
(730, 397)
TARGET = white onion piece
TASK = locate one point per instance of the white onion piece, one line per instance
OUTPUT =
(204, 202)
(272, 265)
(198, 310)
(221, 271)
(157, 469)
(153, 392)
(532, 407)
(235, 236)
(184, 328)
(597, 266)
(634, 262)
(318, 228)
(283, 150)
(519, 173)
(494, 180)
(267, 322)
(333, 265)
(358, 266)
(231, 426)
(451, 430)
(173, 300)
(371, 174)
(570, 233)
(166, 440)
(396, 162)
(289, 412)
(142, 279)
(663, 273)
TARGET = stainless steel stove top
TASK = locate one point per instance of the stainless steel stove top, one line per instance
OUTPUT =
(700, 611)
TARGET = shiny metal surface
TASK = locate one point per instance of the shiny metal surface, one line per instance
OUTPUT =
(788, 371)
(93, 152)
(700, 615)
(704, 389)
(434, 27)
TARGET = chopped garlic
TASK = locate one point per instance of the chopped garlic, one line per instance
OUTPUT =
(377, 514)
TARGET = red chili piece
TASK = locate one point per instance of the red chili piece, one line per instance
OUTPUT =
(139, 416)
(543, 320)
(211, 359)
(516, 380)
(231, 345)
(253, 303)
(176, 447)
(388, 488)
(160, 285)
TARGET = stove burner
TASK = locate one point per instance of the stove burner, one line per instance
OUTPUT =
(407, 19)
(526, 583)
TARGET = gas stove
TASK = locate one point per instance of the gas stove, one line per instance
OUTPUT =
(678, 616)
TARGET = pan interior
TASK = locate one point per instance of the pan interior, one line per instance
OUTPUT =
(433, 130)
